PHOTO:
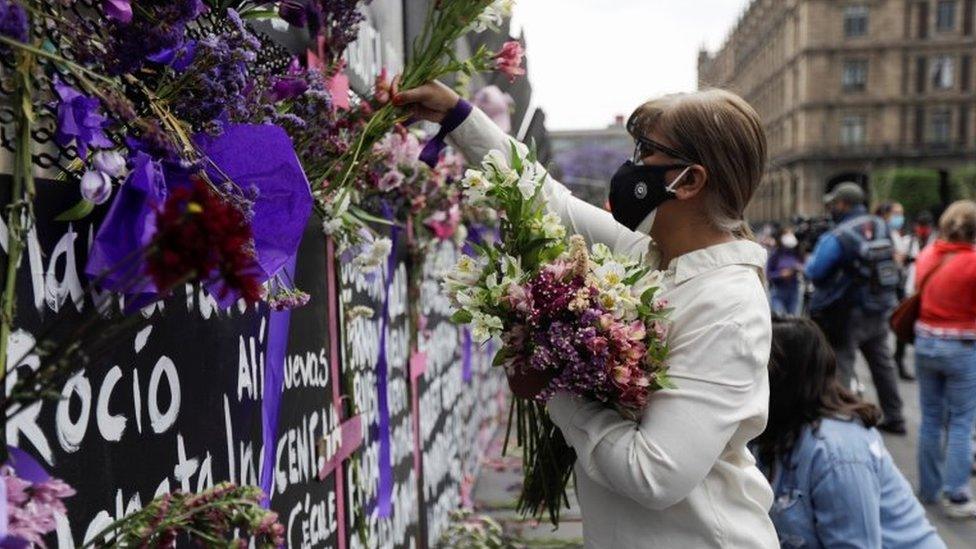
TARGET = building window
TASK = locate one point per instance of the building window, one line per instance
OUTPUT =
(855, 77)
(853, 130)
(943, 72)
(964, 125)
(921, 65)
(945, 17)
(966, 72)
(941, 127)
(855, 21)
(968, 17)
(923, 19)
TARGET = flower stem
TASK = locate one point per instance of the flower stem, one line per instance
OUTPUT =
(21, 200)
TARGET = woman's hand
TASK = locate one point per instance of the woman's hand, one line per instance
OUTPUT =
(430, 101)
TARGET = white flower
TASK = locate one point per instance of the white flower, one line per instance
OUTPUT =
(382, 247)
(467, 272)
(506, 7)
(484, 327)
(601, 253)
(528, 182)
(461, 235)
(610, 274)
(96, 187)
(552, 226)
(476, 186)
(496, 163)
(374, 255)
(470, 299)
(332, 226)
(110, 163)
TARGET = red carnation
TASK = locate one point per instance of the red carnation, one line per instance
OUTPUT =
(508, 60)
(202, 238)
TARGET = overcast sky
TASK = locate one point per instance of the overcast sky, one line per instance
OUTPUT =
(592, 59)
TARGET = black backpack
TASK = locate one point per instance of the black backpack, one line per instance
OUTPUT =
(872, 267)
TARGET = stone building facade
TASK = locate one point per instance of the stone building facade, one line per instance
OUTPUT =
(848, 87)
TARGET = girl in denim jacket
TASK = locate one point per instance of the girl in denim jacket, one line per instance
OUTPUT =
(834, 481)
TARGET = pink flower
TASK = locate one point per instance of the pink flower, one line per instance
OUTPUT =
(52, 492)
(508, 60)
(559, 269)
(621, 375)
(597, 345)
(444, 224)
(382, 87)
(518, 298)
(390, 180)
(636, 331)
(660, 330)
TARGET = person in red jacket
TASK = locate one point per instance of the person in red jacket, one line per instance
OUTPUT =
(945, 358)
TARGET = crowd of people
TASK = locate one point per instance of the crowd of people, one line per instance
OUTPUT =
(833, 284)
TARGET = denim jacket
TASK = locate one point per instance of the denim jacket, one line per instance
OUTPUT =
(840, 488)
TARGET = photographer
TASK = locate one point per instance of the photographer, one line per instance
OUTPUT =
(855, 279)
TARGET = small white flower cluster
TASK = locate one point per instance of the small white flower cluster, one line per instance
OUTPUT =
(496, 171)
(609, 273)
(551, 226)
(373, 255)
(334, 213)
(493, 16)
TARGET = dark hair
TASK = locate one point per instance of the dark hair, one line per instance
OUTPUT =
(803, 388)
(883, 209)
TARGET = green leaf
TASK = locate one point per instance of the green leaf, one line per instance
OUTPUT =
(367, 217)
(461, 317)
(76, 212)
(632, 279)
(648, 296)
(516, 159)
(501, 356)
(259, 14)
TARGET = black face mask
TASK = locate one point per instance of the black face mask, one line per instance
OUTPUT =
(637, 190)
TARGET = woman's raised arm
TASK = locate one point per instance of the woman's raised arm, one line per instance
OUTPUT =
(477, 135)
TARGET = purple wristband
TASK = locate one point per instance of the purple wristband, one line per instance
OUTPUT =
(454, 117)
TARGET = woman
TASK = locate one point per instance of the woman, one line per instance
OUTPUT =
(945, 361)
(783, 271)
(834, 480)
(681, 477)
(893, 214)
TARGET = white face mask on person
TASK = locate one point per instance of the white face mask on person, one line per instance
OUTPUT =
(788, 241)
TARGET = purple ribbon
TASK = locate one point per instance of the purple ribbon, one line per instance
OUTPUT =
(274, 360)
(258, 156)
(432, 150)
(384, 493)
(466, 354)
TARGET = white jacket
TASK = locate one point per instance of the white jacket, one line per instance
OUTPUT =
(682, 477)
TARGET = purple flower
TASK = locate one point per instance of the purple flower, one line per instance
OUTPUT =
(119, 10)
(215, 88)
(79, 120)
(294, 12)
(13, 22)
(290, 85)
(96, 187)
(157, 30)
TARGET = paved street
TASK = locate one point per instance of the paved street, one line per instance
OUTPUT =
(498, 486)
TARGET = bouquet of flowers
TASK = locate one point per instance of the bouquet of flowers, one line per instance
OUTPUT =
(571, 319)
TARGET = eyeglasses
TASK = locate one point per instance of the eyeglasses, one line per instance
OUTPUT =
(644, 147)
